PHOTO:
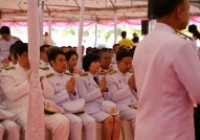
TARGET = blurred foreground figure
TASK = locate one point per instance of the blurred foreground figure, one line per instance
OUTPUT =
(167, 73)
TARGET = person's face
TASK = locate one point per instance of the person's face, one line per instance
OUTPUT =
(94, 67)
(116, 49)
(60, 63)
(183, 15)
(13, 59)
(6, 37)
(23, 60)
(72, 61)
(105, 60)
(125, 64)
(44, 55)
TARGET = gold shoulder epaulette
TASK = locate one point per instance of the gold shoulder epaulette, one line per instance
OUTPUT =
(103, 73)
(16, 38)
(44, 68)
(112, 72)
(8, 68)
(71, 74)
(49, 75)
(84, 74)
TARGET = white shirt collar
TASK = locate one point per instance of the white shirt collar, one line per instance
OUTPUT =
(22, 69)
(44, 63)
(122, 74)
(164, 27)
(58, 74)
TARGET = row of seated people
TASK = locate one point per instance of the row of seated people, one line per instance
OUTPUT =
(74, 100)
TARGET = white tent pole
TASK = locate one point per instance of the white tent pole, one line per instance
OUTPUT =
(50, 25)
(115, 27)
(96, 33)
(80, 35)
(35, 115)
(41, 8)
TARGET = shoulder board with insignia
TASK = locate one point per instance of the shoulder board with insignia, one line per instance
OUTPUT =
(71, 74)
(44, 68)
(84, 74)
(102, 73)
(49, 75)
(8, 68)
(16, 38)
(184, 36)
(112, 72)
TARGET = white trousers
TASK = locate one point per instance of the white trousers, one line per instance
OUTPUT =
(79, 122)
(57, 124)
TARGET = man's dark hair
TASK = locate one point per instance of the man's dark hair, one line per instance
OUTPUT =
(122, 53)
(103, 50)
(18, 42)
(89, 50)
(69, 46)
(115, 45)
(193, 29)
(88, 59)
(53, 52)
(13, 47)
(95, 51)
(21, 48)
(42, 48)
(162, 8)
(5, 30)
(63, 47)
(123, 34)
(69, 54)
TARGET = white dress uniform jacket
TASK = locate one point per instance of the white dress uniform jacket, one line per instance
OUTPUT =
(15, 86)
(8, 127)
(90, 91)
(58, 82)
(167, 72)
(122, 95)
(120, 92)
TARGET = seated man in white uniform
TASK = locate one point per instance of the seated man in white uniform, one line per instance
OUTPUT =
(12, 55)
(7, 126)
(121, 86)
(65, 92)
(44, 63)
(105, 61)
(15, 85)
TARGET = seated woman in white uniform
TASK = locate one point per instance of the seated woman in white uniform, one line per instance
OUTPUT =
(94, 92)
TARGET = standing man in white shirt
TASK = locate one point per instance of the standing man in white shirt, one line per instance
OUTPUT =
(5, 43)
(167, 73)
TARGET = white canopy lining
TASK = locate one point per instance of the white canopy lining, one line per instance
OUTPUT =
(95, 10)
